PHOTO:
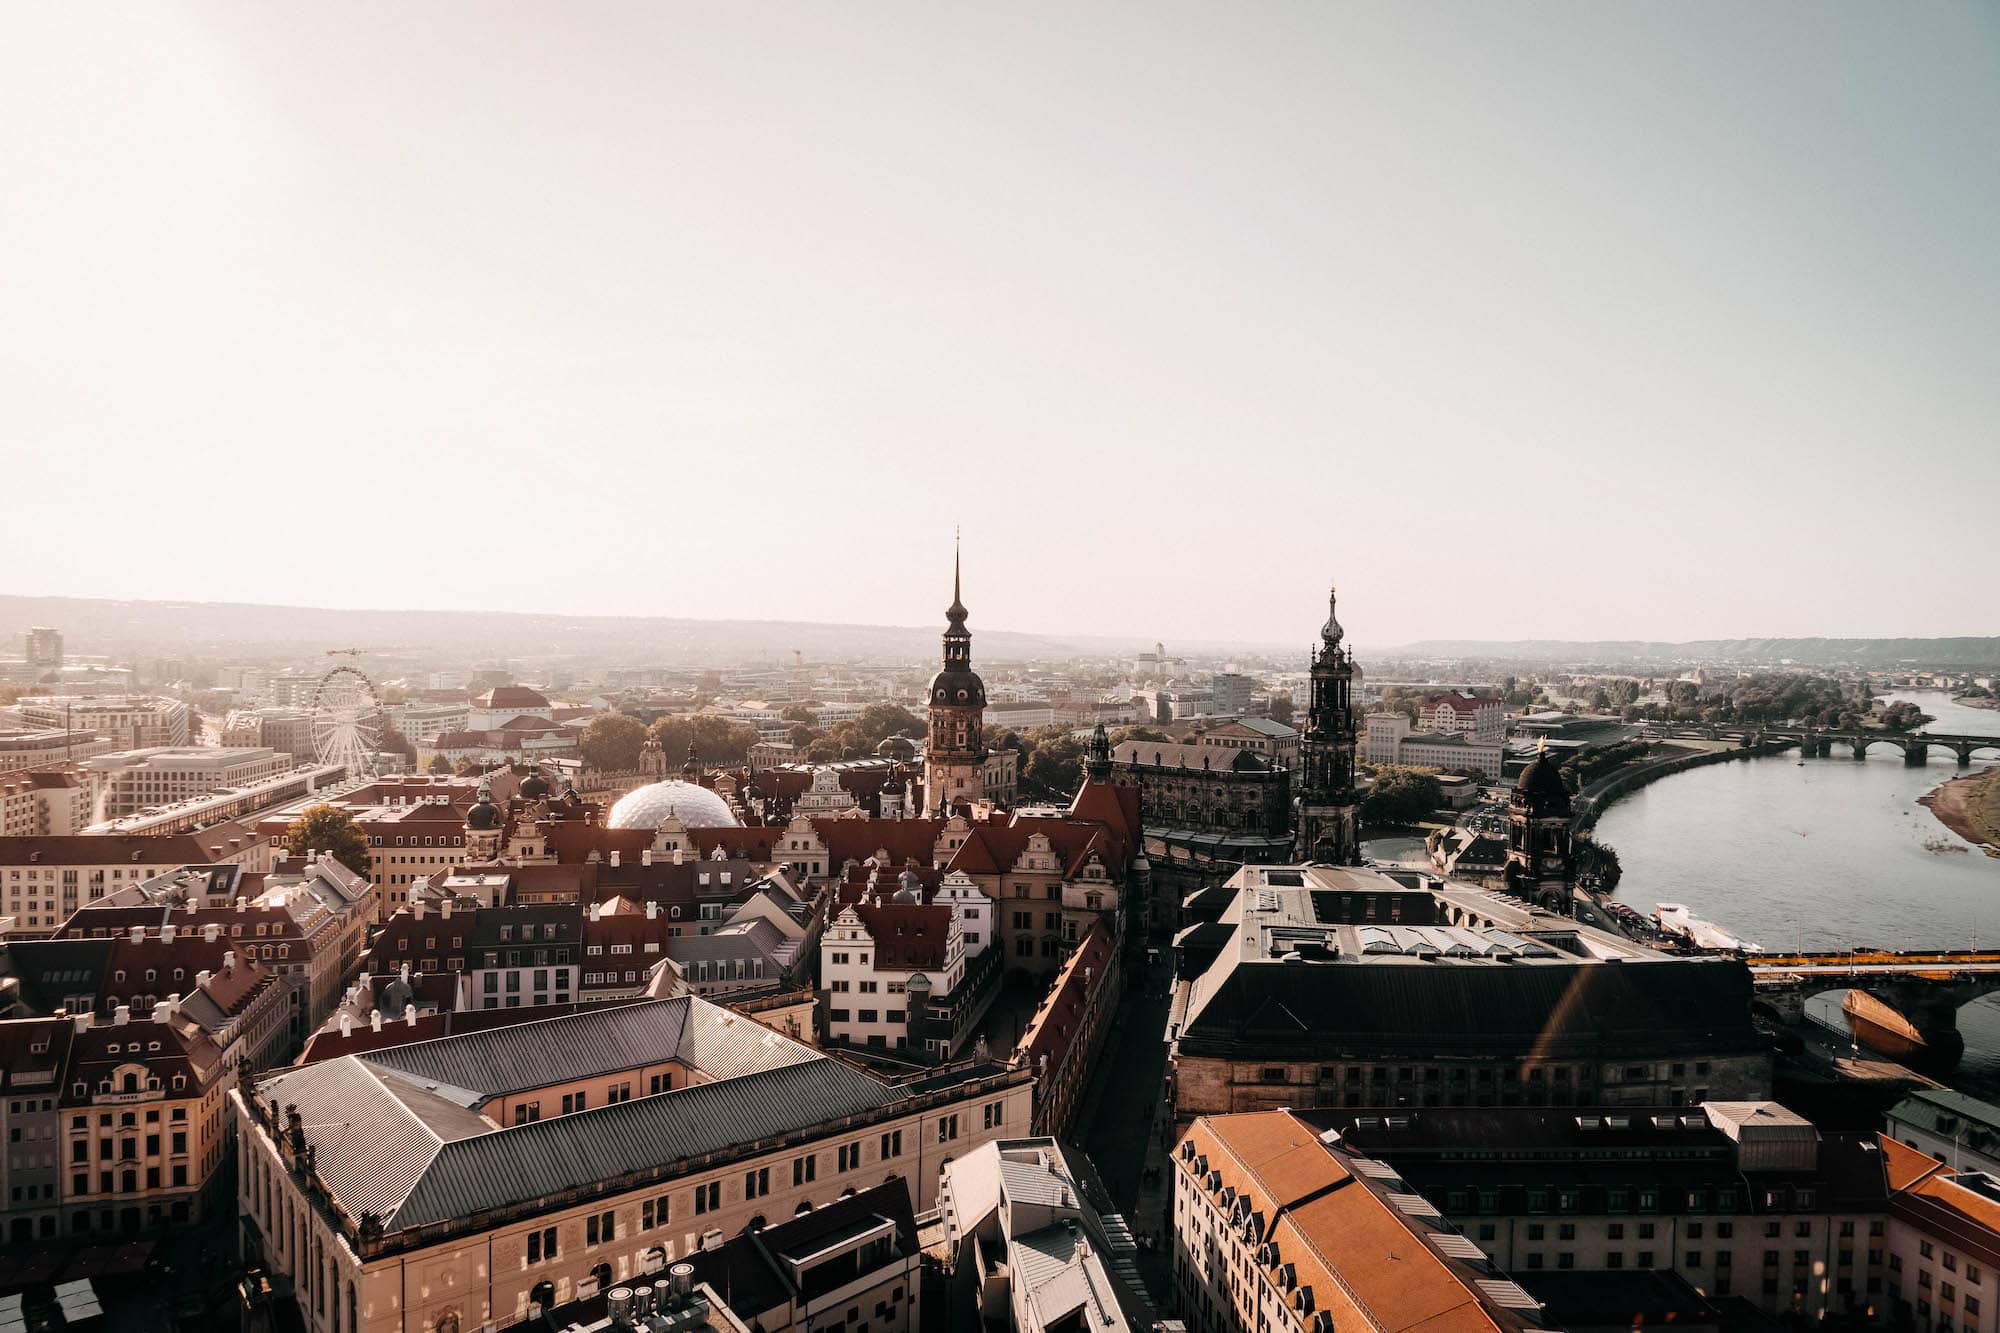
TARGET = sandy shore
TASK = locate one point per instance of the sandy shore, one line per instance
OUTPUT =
(1970, 807)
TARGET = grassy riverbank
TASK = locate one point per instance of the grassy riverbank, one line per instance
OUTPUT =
(1970, 807)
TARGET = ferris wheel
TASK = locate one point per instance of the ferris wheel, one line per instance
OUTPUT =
(345, 722)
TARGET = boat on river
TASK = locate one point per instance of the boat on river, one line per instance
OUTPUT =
(1880, 1027)
(1676, 919)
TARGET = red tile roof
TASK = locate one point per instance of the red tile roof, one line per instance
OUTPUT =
(907, 937)
(1057, 1023)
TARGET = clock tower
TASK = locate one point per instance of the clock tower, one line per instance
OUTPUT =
(955, 756)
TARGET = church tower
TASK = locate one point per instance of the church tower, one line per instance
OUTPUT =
(1541, 859)
(955, 759)
(1329, 807)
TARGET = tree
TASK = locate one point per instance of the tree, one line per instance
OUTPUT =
(802, 735)
(1280, 708)
(611, 742)
(800, 713)
(716, 739)
(469, 767)
(878, 722)
(1123, 734)
(441, 765)
(1904, 716)
(1401, 796)
(1055, 761)
(326, 828)
(1597, 858)
(483, 681)
(194, 725)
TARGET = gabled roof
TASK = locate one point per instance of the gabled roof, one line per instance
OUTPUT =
(907, 936)
(395, 1132)
(859, 839)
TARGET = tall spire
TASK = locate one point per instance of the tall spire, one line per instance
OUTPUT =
(956, 612)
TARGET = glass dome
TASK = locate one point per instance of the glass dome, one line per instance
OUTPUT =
(695, 806)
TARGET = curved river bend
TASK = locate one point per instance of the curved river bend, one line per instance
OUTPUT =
(1828, 855)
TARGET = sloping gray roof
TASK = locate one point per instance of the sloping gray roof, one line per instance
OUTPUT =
(395, 1134)
(374, 1136)
(754, 938)
(1924, 1107)
(524, 1162)
(550, 1050)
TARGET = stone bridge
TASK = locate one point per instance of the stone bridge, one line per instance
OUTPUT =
(1927, 988)
(1812, 741)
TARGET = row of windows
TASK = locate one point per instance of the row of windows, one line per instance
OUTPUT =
(602, 1228)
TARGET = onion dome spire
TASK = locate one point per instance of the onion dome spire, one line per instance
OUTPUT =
(1331, 633)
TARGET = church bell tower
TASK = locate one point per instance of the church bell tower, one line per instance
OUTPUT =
(1329, 806)
(955, 755)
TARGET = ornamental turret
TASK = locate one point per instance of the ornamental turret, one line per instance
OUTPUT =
(1097, 759)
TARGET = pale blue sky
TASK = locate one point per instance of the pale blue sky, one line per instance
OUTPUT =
(1589, 320)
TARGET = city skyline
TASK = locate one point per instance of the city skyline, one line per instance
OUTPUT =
(736, 315)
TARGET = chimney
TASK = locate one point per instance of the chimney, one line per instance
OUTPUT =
(417, 908)
(228, 961)
(410, 1015)
(346, 1023)
(614, 858)
(444, 909)
(162, 1011)
(201, 979)
(242, 904)
(210, 933)
(646, 857)
(677, 854)
(652, 911)
(375, 1021)
(167, 933)
(138, 933)
(596, 911)
(121, 1015)
(82, 1021)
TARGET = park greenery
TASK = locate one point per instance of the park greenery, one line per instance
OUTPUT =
(1401, 796)
(854, 739)
(611, 742)
(1584, 767)
(716, 740)
(1051, 759)
(326, 828)
(1764, 696)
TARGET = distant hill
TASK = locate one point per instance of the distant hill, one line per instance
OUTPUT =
(1875, 654)
(239, 630)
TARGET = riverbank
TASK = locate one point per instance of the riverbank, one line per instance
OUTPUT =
(1969, 701)
(1596, 798)
(1970, 807)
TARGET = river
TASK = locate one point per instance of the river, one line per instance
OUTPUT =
(1828, 855)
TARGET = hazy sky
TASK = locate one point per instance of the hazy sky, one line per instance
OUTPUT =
(1659, 321)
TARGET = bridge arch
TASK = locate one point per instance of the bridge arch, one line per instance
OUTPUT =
(1926, 993)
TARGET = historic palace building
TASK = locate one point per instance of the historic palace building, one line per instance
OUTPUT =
(447, 1184)
(1329, 806)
